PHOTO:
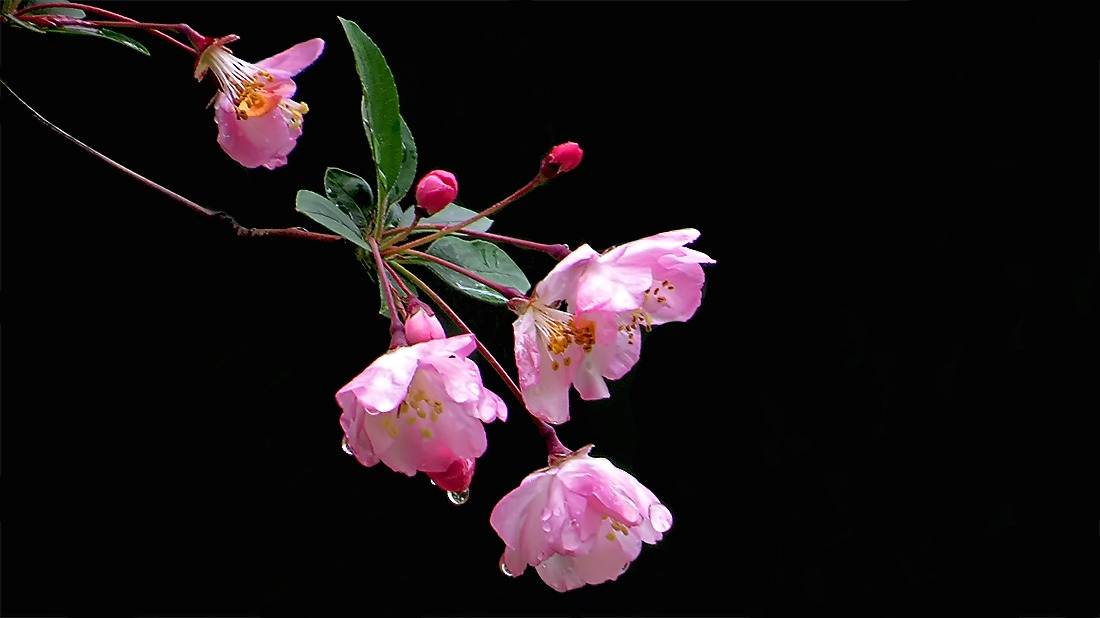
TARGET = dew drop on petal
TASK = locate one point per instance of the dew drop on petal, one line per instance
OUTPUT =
(459, 497)
(545, 514)
(504, 568)
(546, 526)
(344, 446)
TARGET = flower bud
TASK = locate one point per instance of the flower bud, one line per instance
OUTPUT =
(422, 326)
(456, 477)
(561, 159)
(436, 189)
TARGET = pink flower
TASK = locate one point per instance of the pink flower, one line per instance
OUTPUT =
(579, 521)
(420, 407)
(609, 297)
(435, 190)
(258, 122)
(562, 158)
(422, 325)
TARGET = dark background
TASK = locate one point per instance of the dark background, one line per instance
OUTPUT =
(880, 407)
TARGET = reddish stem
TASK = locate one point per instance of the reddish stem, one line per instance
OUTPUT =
(504, 290)
(295, 232)
(397, 330)
(127, 22)
(457, 226)
(558, 251)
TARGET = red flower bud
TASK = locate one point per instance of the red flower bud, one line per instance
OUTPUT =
(436, 189)
(561, 159)
(456, 477)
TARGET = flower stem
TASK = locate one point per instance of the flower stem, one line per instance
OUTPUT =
(457, 226)
(445, 308)
(123, 21)
(507, 292)
(555, 450)
(397, 330)
(558, 251)
(240, 230)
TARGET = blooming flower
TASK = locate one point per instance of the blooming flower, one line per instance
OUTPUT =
(421, 407)
(579, 521)
(258, 121)
(435, 190)
(609, 297)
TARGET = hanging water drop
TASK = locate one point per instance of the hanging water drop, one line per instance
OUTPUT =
(432, 482)
(625, 567)
(344, 446)
(459, 497)
(504, 568)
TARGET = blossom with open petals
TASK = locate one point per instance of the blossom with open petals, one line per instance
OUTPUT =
(421, 407)
(579, 521)
(639, 284)
(581, 325)
(258, 121)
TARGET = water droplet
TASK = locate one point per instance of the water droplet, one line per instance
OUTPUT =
(545, 513)
(459, 497)
(344, 446)
(625, 567)
(504, 568)
(546, 526)
(432, 482)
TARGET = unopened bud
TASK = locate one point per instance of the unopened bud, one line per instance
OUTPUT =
(436, 189)
(561, 159)
(422, 325)
(456, 477)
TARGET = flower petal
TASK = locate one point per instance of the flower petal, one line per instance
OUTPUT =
(293, 60)
(383, 385)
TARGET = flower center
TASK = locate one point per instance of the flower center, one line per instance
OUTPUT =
(417, 407)
(560, 330)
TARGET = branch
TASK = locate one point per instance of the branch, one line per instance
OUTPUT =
(240, 230)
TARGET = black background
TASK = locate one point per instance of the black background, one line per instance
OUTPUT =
(880, 407)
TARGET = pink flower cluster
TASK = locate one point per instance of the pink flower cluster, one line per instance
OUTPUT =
(610, 298)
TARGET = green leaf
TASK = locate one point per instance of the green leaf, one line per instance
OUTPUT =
(101, 33)
(381, 113)
(451, 213)
(352, 194)
(407, 173)
(77, 13)
(483, 258)
(323, 211)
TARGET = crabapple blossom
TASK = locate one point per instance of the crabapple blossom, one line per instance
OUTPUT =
(258, 121)
(639, 284)
(421, 407)
(609, 297)
(435, 190)
(579, 521)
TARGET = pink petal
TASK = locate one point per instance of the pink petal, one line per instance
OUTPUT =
(607, 286)
(549, 398)
(491, 406)
(607, 559)
(293, 60)
(526, 349)
(559, 573)
(525, 501)
(559, 282)
(357, 437)
(261, 140)
(383, 385)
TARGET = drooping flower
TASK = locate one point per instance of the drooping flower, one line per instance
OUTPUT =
(608, 299)
(579, 521)
(421, 407)
(258, 121)
(435, 190)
